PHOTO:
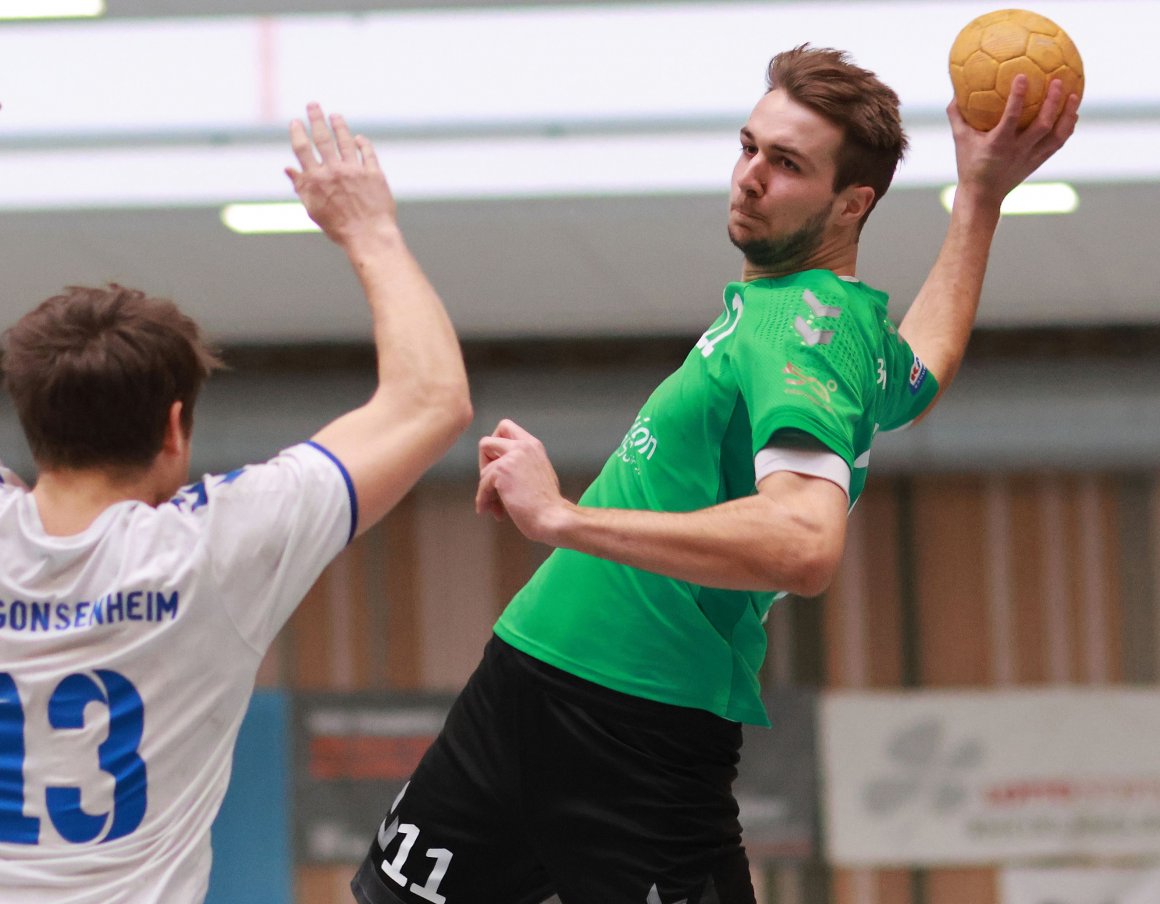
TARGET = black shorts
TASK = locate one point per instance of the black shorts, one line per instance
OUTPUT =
(544, 784)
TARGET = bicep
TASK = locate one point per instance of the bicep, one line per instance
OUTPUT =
(807, 528)
(384, 456)
(814, 504)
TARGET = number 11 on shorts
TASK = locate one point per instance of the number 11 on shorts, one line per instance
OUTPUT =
(429, 890)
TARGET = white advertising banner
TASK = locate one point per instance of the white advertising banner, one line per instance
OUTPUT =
(990, 777)
(1079, 886)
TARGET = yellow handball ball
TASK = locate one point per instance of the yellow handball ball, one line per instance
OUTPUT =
(991, 50)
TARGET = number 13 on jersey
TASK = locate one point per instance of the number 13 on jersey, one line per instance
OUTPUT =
(117, 756)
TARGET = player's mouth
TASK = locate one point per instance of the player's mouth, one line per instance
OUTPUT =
(743, 212)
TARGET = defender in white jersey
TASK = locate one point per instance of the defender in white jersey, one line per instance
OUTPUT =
(134, 614)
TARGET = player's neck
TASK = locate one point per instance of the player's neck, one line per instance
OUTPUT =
(838, 257)
(68, 501)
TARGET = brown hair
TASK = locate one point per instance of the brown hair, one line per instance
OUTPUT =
(93, 373)
(855, 100)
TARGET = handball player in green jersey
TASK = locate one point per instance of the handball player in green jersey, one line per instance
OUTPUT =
(591, 754)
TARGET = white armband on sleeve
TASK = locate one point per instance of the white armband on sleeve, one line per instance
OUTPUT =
(811, 462)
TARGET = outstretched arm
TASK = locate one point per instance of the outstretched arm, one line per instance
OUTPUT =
(789, 536)
(990, 164)
(421, 404)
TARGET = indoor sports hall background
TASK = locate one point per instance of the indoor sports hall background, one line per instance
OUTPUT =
(970, 715)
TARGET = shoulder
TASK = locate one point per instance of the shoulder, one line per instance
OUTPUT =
(297, 466)
(10, 481)
(303, 482)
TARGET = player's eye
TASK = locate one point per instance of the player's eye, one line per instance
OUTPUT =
(748, 149)
(788, 164)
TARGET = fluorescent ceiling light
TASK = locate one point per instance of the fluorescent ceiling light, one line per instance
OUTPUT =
(270, 218)
(51, 9)
(1031, 198)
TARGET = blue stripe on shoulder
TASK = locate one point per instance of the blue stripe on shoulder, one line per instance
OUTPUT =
(349, 486)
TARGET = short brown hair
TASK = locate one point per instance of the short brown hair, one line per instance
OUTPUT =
(855, 100)
(94, 372)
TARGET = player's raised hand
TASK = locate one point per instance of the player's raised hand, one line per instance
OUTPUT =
(340, 182)
(516, 479)
(992, 163)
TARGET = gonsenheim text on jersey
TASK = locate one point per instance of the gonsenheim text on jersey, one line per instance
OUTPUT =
(110, 608)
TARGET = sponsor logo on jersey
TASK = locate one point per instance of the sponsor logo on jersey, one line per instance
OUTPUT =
(917, 376)
(811, 388)
(638, 441)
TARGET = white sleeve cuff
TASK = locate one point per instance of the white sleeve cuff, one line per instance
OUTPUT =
(811, 462)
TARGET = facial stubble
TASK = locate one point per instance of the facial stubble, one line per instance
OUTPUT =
(786, 253)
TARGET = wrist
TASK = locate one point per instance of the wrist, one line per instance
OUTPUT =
(560, 523)
(977, 201)
(372, 240)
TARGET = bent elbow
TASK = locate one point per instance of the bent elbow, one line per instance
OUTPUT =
(813, 572)
(815, 581)
(463, 414)
(454, 409)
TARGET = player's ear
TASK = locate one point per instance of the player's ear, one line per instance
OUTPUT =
(853, 202)
(175, 438)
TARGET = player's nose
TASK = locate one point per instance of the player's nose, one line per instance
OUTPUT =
(752, 177)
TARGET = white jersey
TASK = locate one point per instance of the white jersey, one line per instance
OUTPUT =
(127, 659)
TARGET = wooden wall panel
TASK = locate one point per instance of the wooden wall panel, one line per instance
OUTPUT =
(1030, 616)
(961, 886)
(324, 884)
(864, 886)
(1097, 521)
(949, 549)
(398, 547)
(863, 608)
(951, 521)
(309, 636)
(456, 584)
(516, 558)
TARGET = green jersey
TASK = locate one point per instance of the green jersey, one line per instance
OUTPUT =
(811, 353)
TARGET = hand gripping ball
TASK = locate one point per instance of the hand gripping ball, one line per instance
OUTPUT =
(991, 50)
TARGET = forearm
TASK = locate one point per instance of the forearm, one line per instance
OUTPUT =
(989, 164)
(421, 404)
(939, 322)
(419, 361)
(748, 544)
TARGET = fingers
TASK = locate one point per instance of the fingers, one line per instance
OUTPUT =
(347, 149)
(1059, 114)
(502, 440)
(487, 498)
(1009, 123)
(512, 430)
(1054, 124)
(1067, 121)
(321, 134)
(954, 114)
(300, 145)
(493, 447)
(1052, 106)
(369, 157)
(320, 143)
